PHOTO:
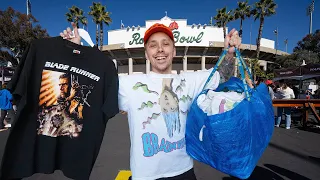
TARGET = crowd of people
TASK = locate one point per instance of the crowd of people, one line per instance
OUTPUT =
(285, 89)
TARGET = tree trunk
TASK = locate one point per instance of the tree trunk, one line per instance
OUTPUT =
(97, 35)
(240, 32)
(101, 36)
(224, 31)
(77, 22)
(259, 36)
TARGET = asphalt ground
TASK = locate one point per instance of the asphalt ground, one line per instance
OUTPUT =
(291, 155)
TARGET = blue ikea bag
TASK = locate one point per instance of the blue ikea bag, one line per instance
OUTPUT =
(232, 142)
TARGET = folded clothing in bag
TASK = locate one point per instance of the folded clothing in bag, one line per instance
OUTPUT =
(219, 102)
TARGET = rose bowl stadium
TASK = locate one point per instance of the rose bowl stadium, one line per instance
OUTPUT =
(198, 47)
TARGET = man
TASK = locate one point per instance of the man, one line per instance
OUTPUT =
(68, 93)
(269, 83)
(64, 86)
(157, 105)
(5, 106)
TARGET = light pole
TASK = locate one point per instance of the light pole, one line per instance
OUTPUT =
(286, 43)
(276, 32)
(310, 10)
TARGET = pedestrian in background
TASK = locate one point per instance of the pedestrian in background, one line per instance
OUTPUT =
(284, 92)
(5, 105)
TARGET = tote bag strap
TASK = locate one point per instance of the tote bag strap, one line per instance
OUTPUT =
(238, 54)
(241, 66)
(221, 58)
(242, 69)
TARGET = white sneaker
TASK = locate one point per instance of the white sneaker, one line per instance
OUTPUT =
(287, 127)
(276, 125)
(7, 126)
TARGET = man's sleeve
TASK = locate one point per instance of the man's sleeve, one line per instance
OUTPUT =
(10, 98)
(292, 93)
(18, 84)
(123, 95)
(271, 92)
(110, 105)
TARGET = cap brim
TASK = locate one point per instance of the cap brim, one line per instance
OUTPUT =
(155, 30)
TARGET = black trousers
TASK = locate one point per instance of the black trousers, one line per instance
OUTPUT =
(189, 175)
(2, 118)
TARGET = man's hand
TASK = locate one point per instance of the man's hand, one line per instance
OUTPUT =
(231, 41)
(226, 68)
(73, 37)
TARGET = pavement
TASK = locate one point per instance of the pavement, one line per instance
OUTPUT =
(291, 155)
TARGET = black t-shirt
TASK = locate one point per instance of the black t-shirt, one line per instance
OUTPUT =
(66, 93)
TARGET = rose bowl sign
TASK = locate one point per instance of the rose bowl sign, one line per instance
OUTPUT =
(184, 35)
(137, 38)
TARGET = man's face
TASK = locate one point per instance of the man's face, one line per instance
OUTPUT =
(160, 51)
(63, 84)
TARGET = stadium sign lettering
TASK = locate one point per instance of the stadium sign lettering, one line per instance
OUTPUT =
(138, 39)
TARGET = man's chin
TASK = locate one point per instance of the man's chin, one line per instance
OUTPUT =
(162, 69)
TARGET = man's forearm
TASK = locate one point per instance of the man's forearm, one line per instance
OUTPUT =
(226, 68)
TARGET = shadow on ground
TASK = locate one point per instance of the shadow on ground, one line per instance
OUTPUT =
(260, 173)
(315, 159)
(310, 129)
(296, 154)
(271, 172)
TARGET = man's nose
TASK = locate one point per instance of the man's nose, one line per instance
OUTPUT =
(160, 49)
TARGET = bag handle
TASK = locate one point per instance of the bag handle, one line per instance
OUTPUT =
(238, 54)
(241, 66)
(221, 58)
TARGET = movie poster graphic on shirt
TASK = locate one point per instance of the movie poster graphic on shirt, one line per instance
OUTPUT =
(62, 101)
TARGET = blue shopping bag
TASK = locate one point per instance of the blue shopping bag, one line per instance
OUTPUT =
(234, 141)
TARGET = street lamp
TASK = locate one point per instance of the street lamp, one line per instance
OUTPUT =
(286, 43)
(310, 10)
(276, 32)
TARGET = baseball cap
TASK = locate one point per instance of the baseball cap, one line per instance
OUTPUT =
(268, 82)
(157, 28)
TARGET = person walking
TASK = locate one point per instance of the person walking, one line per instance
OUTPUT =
(284, 92)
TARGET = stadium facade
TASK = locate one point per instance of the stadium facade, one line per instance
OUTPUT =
(198, 47)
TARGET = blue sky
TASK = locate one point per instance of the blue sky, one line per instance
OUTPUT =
(290, 19)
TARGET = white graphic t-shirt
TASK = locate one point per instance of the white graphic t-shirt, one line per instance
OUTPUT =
(157, 107)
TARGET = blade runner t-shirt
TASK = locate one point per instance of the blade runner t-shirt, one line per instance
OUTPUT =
(67, 93)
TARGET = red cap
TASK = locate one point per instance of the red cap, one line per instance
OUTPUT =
(268, 82)
(157, 28)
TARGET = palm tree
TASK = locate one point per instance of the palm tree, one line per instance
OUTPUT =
(242, 12)
(262, 9)
(75, 15)
(93, 12)
(100, 16)
(222, 18)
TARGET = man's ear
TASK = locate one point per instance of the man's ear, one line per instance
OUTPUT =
(145, 54)
(145, 51)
